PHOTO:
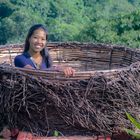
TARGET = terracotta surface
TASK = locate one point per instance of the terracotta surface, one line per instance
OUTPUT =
(29, 136)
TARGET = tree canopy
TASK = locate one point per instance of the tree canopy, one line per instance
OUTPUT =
(104, 21)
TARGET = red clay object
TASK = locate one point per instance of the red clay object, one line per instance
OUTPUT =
(29, 136)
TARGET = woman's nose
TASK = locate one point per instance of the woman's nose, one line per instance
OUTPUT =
(39, 40)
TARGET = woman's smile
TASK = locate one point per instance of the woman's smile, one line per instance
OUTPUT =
(37, 41)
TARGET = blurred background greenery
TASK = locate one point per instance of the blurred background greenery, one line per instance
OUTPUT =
(98, 21)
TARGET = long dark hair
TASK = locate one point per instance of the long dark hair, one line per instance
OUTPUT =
(45, 54)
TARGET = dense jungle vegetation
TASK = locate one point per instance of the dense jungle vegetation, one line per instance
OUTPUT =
(104, 21)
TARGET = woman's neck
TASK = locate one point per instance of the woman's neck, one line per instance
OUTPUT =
(34, 54)
(36, 58)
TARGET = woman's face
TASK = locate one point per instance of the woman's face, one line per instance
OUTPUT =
(37, 41)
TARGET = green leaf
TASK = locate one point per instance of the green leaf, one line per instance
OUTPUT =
(131, 132)
(135, 123)
(56, 133)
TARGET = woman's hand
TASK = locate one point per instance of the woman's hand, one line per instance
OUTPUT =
(68, 71)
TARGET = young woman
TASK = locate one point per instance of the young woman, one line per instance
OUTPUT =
(36, 55)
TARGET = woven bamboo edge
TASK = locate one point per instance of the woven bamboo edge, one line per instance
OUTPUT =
(55, 75)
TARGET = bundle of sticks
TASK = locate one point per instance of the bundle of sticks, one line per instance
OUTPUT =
(96, 104)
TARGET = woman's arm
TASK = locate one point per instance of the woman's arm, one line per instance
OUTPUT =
(22, 62)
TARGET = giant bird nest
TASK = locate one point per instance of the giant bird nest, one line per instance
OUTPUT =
(106, 85)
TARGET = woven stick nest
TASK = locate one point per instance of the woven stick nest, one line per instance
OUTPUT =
(94, 101)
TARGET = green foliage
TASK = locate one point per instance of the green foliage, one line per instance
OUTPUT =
(103, 21)
(132, 133)
(123, 30)
(133, 121)
(67, 21)
(6, 8)
(56, 133)
(136, 124)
